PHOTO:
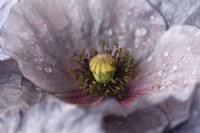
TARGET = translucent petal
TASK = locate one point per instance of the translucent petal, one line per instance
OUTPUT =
(41, 34)
(167, 80)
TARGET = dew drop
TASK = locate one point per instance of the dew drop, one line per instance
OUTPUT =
(164, 65)
(161, 87)
(168, 82)
(129, 13)
(174, 67)
(141, 31)
(194, 72)
(48, 69)
(39, 58)
(189, 48)
(152, 17)
(160, 73)
(109, 32)
(184, 58)
(39, 68)
(150, 59)
(136, 46)
(166, 54)
(123, 25)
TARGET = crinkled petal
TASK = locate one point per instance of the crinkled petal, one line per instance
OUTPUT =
(53, 117)
(15, 91)
(167, 78)
(41, 34)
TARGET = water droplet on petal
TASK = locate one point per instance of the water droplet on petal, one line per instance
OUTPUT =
(168, 82)
(109, 32)
(152, 17)
(184, 58)
(194, 72)
(136, 46)
(189, 48)
(161, 87)
(39, 68)
(129, 13)
(39, 58)
(174, 67)
(141, 31)
(166, 54)
(122, 25)
(160, 73)
(150, 59)
(48, 69)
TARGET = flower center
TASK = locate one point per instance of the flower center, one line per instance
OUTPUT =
(103, 67)
(104, 73)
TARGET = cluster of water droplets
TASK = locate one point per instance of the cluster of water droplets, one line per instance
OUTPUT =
(40, 59)
(47, 70)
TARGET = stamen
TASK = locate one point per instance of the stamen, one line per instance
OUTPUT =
(104, 73)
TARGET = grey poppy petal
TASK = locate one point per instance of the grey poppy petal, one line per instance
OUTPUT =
(194, 19)
(175, 11)
(10, 87)
(51, 118)
(153, 119)
(41, 34)
(168, 77)
(192, 125)
(174, 64)
(136, 25)
(17, 92)
(5, 6)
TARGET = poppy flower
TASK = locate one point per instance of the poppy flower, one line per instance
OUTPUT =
(45, 45)
(43, 34)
